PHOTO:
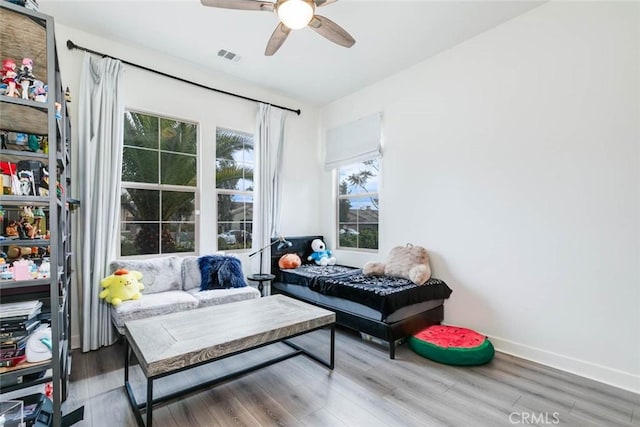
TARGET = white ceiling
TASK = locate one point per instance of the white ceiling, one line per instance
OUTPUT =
(390, 36)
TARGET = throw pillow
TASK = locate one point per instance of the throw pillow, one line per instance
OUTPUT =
(220, 272)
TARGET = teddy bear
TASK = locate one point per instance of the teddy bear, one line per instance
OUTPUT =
(320, 254)
(122, 285)
(409, 262)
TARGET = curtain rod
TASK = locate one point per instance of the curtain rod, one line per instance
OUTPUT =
(71, 45)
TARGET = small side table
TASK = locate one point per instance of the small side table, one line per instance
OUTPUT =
(260, 278)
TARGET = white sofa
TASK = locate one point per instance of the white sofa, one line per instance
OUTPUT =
(171, 284)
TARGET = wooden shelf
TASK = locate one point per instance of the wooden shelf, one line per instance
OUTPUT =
(23, 37)
(9, 199)
(24, 116)
(27, 368)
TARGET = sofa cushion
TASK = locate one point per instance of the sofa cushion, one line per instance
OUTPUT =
(191, 276)
(151, 305)
(223, 296)
(158, 274)
(190, 273)
(220, 272)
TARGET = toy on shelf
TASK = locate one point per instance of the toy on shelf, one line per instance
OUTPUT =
(9, 77)
(38, 213)
(58, 110)
(38, 91)
(11, 230)
(27, 185)
(33, 142)
(45, 269)
(26, 212)
(25, 77)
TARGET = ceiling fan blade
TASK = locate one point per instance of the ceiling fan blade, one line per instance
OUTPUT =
(320, 3)
(240, 4)
(277, 38)
(332, 31)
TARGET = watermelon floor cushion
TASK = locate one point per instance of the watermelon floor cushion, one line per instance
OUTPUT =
(452, 345)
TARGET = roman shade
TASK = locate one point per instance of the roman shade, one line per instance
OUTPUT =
(354, 142)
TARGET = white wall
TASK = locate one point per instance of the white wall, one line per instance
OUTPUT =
(148, 92)
(514, 158)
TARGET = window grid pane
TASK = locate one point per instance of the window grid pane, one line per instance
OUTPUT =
(234, 181)
(358, 212)
(158, 152)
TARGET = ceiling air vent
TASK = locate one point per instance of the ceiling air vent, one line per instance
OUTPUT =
(225, 54)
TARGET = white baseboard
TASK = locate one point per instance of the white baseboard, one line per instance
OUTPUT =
(75, 341)
(603, 374)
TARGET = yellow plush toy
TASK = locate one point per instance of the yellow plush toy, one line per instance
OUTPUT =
(121, 286)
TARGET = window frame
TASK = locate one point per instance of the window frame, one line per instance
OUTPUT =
(158, 186)
(362, 195)
(231, 192)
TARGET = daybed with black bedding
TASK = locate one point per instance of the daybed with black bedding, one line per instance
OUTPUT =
(388, 308)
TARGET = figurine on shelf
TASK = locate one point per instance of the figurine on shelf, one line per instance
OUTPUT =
(33, 142)
(27, 186)
(38, 91)
(28, 230)
(38, 213)
(58, 110)
(26, 212)
(9, 77)
(11, 230)
(43, 191)
(45, 145)
(25, 77)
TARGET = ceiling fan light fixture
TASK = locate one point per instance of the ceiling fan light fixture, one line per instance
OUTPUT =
(295, 14)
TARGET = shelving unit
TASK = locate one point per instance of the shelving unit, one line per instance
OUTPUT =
(27, 33)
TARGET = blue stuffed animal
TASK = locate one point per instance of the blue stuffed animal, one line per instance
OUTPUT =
(320, 254)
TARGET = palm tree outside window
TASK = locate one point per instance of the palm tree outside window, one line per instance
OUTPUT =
(358, 205)
(235, 164)
(159, 183)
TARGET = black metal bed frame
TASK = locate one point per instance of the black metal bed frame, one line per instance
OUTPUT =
(389, 332)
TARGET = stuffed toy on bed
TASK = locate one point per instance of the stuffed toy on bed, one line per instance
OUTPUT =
(409, 262)
(320, 254)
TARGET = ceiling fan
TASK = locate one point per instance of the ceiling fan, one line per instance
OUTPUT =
(293, 15)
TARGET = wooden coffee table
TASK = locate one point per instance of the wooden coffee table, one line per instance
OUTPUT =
(172, 343)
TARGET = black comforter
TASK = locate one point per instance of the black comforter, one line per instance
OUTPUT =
(385, 294)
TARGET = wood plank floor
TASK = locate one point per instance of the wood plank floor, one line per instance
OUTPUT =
(365, 389)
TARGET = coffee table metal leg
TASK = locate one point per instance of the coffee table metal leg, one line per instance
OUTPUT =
(329, 364)
(333, 346)
(132, 399)
(126, 361)
(149, 402)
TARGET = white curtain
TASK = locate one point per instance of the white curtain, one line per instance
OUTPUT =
(269, 142)
(100, 137)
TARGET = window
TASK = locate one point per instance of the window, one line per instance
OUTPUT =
(234, 183)
(159, 182)
(358, 205)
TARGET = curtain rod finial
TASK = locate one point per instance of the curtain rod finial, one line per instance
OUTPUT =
(70, 45)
